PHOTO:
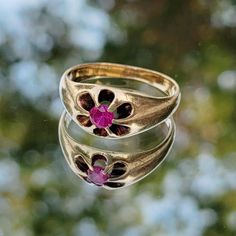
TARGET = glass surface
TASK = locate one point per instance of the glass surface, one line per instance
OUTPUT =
(193, 192)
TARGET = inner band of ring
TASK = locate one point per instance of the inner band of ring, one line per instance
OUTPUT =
(95, 70)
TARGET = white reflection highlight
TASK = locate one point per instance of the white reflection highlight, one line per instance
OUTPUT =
(175, 215)
(10, 177)
(225, 15)
(231, 219)
(41, 177)
(86, 227)
(227, 80)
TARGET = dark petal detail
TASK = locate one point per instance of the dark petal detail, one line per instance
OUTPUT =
(86, 101)
(99, 160)
(114, 185)
(100, 132)
(123, 111)
(84, 120)
(119, 129)
(119, 169)
(105, 96)
(80, 163)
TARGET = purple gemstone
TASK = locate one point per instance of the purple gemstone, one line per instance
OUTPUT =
(97, 175)
(101, 117)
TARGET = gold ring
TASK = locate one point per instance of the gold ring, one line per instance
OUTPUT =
(89, 158)
(117, 112)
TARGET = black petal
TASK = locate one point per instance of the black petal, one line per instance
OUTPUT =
(84, 120)
(81, 164)
(105, 96)
(99, 160)
(86, 101)
(123, 111)
(119, 129)
(118, 169)
(100, 132)
(114, 185)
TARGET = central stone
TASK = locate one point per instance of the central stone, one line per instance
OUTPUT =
(101, 117)
(97, 175)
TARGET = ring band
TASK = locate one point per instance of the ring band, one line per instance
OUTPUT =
(108, 168)
(113, 112)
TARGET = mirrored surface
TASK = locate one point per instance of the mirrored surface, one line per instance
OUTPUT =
(193, 192)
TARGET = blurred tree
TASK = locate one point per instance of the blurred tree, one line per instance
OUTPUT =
(191, 194)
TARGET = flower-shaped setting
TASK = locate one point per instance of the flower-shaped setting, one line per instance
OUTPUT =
(99, 174)
(99, 117)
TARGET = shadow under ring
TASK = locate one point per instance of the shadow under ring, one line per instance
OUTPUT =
(113, 168)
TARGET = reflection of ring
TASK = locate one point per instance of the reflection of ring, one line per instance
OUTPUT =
(112, 168)
(111, 111)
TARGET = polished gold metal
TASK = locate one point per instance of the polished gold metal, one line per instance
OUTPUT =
(147, 110)
(138, 164)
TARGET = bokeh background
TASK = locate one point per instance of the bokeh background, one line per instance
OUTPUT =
(193, 192)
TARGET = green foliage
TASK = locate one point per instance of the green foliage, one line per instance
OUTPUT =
(193, 192)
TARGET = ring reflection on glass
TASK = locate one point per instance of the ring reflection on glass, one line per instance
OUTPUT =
(114, 111)
(114, 163)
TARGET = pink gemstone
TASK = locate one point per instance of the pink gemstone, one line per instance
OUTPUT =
(101, 117)
(97, 175)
